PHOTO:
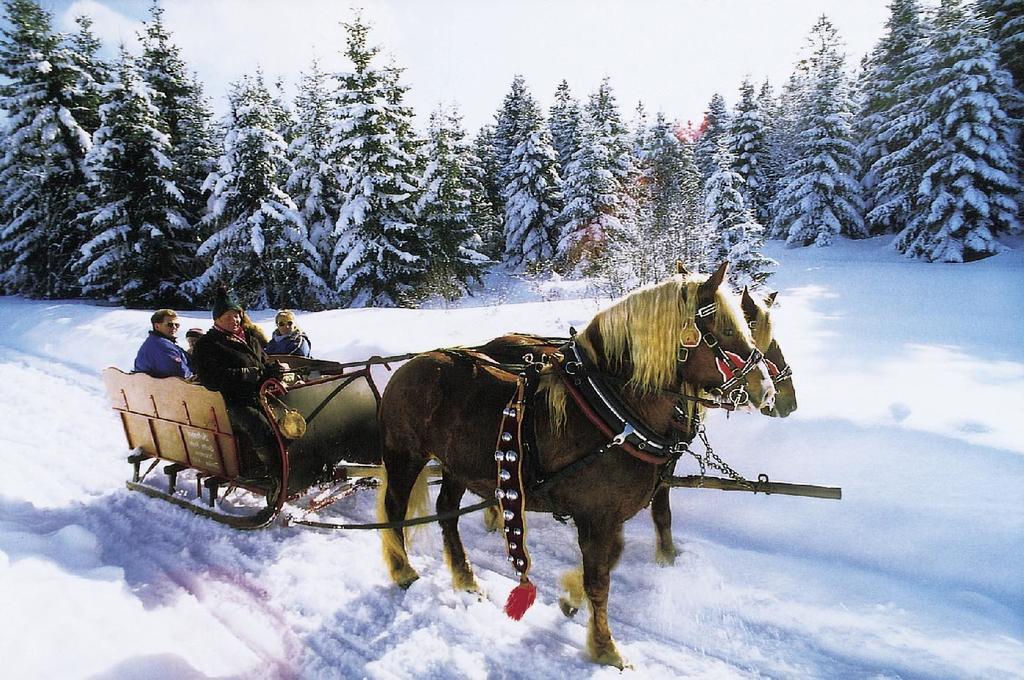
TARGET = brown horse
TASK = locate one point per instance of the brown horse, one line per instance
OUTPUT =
(513, 347)
(448, 406)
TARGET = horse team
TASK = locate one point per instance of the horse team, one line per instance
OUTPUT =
(445, 406)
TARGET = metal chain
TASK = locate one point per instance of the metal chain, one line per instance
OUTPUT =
(712, 460)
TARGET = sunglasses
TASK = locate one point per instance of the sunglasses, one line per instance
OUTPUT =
(172, 324)
(285, 323)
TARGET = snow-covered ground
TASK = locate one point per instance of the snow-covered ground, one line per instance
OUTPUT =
(911, 390)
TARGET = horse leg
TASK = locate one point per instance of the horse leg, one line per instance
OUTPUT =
(572, 599)
(454, 553)
(393, 503)
(601, 544)
(661, 512)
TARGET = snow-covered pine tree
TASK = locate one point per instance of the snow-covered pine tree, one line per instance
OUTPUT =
(42, 151)
(1006, 30)
(606, 122)
(483, 211)
(93, 72)
(516, 118)
(140, 247)
(782, 111)
(822, 197)
(532, 200)
(281, 112)
(599, 184)
(968, 190)
(379, 256)
(716, 124)
(640, 131)
(185, 111)
(749, 146)
(694, 237)
(652, 237)
(315, 180)
(165, 72)
(890, 118)
(564, 121)
(488, 206)
(738, 237)
(445, 207)
(592, 199)
(666, 224)
(260, 246)
(195, 154)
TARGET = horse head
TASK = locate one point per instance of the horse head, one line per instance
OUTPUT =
(686, 330)
(757, 315)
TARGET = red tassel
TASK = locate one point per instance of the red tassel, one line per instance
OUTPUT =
(520, 599)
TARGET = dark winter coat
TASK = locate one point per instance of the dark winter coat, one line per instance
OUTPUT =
(161, 357)
(296, 344)
(232, 367)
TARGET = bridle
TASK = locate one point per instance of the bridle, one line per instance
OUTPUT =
(733, 367)
(774, 372)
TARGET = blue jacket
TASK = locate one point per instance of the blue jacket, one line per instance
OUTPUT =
(296, 344)
(161, 357)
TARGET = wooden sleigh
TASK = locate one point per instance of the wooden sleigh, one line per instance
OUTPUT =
(188, 428)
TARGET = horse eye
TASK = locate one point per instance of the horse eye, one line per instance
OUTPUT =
(728, 332)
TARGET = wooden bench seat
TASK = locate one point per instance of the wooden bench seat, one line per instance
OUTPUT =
(173, 420)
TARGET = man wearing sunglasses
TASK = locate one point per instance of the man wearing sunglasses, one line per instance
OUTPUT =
(160, 356)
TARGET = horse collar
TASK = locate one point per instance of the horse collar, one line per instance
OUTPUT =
(607, 411)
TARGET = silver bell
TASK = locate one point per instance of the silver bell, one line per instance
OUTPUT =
(511, 456)
(506, 436)
(499, 494)
(504, 475)
(499, 456)
(512, 495)
(509, 515)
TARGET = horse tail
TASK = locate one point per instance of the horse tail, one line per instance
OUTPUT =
(382, 513)
(418, 505)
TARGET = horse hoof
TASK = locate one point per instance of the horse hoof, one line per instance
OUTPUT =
(666, 558)
(567, 608)
(611, 657)
(405, 578)
(467, 585)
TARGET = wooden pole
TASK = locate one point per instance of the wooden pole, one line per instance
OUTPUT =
(781, 488)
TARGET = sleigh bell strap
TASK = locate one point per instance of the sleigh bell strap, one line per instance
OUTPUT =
(510, 492)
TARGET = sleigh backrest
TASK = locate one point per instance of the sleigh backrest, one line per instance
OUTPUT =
(173, 420)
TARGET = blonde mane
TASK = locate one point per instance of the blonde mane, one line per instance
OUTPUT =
(646, 328)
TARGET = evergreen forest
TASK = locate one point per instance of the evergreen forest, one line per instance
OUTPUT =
(118, 184)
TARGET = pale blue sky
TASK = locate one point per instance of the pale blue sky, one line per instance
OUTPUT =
(671, 54)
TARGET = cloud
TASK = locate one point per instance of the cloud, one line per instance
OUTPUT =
(110, 26)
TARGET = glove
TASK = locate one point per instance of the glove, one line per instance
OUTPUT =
(273, 370)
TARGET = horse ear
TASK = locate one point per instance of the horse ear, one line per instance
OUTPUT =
(715, 280)
(709, 288)
(681, 268)
(770, 300)
(748, 304)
